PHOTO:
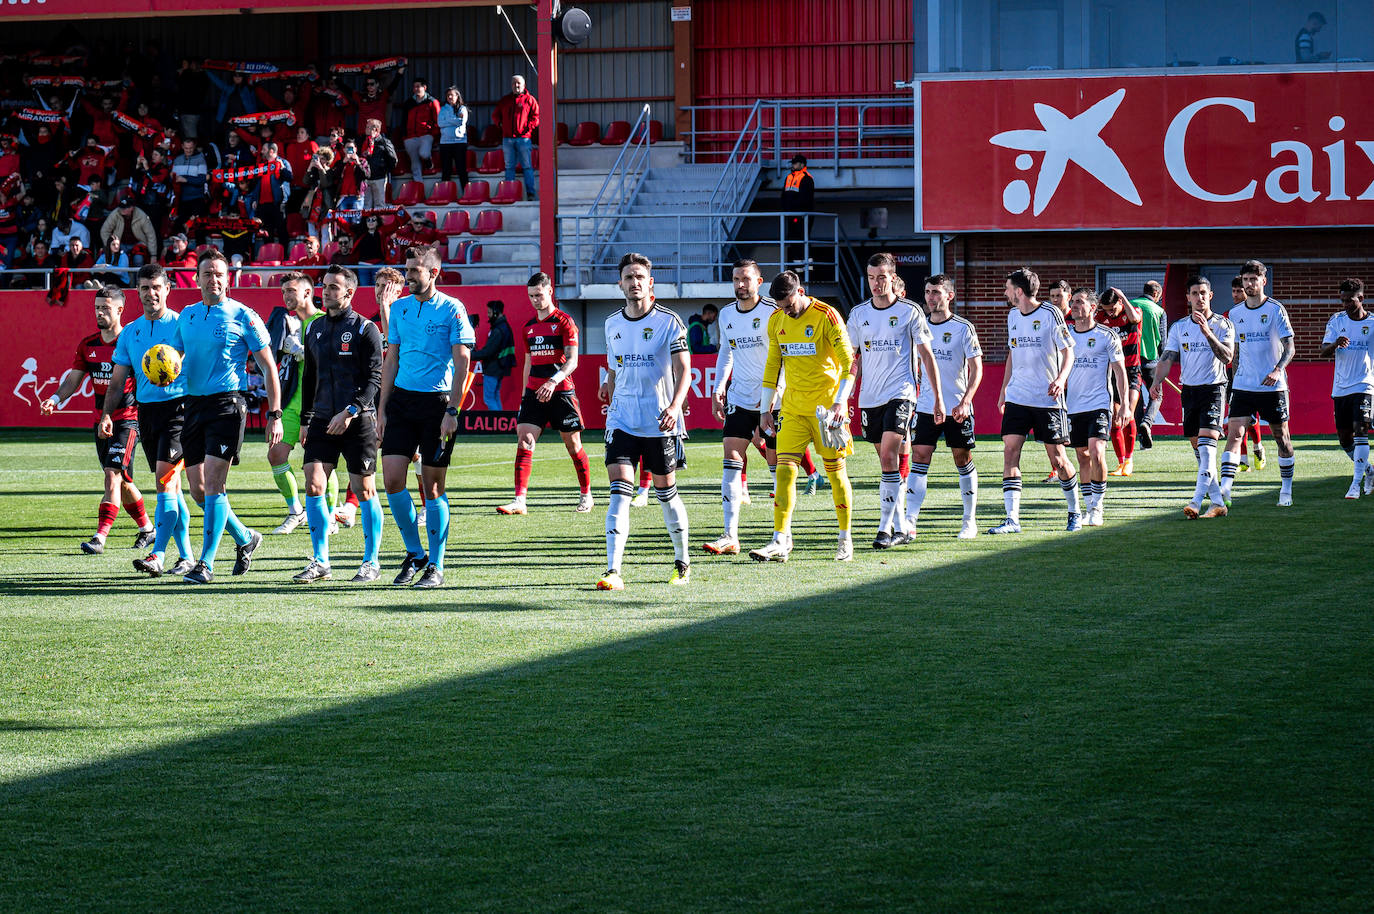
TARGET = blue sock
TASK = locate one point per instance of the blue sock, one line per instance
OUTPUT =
(236, 529)
(403, 513)
(216, 516)
(436, 519)
(182, 533)
(317, 511)
(165, 519)
(371, 512)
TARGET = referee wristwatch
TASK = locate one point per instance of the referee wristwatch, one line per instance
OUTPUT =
(452, 411)
(352, 410)
(274, 414)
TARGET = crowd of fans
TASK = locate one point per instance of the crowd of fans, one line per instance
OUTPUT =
(109, 163)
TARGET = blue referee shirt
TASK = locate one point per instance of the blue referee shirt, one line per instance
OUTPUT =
(216, 343)
(426, 333)
(137, 338)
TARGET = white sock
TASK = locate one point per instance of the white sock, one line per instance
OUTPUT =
(1228, 473)
(1206, 469)
(675, 519)
(968, 490)
(1011, 496)
(1072, 495)
(730, 494)
(773, 474)
(888, 490)
(618, 523)
(1286, 475)
(1361, 458)
(917, 481)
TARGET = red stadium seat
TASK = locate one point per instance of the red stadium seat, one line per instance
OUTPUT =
(270, 254)
(534, 158)
(412, 193)
(586, 134)
(250, 280)
(655, 132)
(490, 138)
(493, 163)
(455, 223)
(202, 250)
(561, 134)
(508, 192)
(472, 160)
(295, 225)
(489, 222)
(329, 251)
(617, 132)
(460, 251)
(478, 192)
(474, 252)
(450, 278)
(445, 193)
(273, 281)
(297, 252)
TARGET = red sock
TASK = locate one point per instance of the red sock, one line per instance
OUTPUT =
(904, 465)
(1245, 444)
(106, 514)
(763, 451)
(743, 478)
(584, 470)
(351, 498)
(138, 513)
(1128, 435)
(1256, 433)
(1119, 443)
(808, 464)
(644, 478)
(523, 461)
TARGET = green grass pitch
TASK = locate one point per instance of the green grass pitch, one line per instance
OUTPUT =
(1156, 715)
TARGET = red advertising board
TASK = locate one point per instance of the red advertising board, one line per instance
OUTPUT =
(84, 9)
(1197, 150)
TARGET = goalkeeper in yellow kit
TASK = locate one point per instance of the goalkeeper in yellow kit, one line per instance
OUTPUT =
(807, 337)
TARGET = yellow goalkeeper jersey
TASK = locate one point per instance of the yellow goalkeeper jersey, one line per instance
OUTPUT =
(816, 351)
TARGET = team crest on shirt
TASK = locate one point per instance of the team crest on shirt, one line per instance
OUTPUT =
(1035, 325)
(810, 331)
(756, 323)
(892, 321)
(948, 336)
(648, 333)
(1264, 318)
(1364, 330)
(1092, 343)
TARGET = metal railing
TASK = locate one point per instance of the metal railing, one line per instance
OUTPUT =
(836, 130)
(625, 178)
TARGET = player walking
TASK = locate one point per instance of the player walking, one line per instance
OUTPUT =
(339, 385)
(286, 329)
(1118, 313)
(739, 378)
(888, 334)
(1040, 355)
(216, 336)
(648, 372)
(1264, 347)
(161, 415)
(115, 450)
(1098, 361)
(549, 342)
(959, 364)
(808, 337)
(423, 378)
(1349, 335)
(1203, 346)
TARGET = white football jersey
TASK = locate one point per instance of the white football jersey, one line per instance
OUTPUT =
(1089, 384)
(953, 342)
(743, 351)
(1354, 363)
(1258, 335)
(1198, 364)
(640, 352)
(1034, 341)
(885, 341)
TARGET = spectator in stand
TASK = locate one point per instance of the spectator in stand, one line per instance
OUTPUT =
(193, 91)
(142, 142)
(237, 228)
(180, 262)
(94, 161)
(11, 197)
(114, 257)
(153, 187)
(191, 172)
(374, 103)
(66, 229)
(453, 137)
(344, 256)
(351, 177)
(38, 259)
(290, 100)
(298, 154)
(39, 156)
(1304, 43)
(330, 108)
(42, 231)
(235, 97)
(370, 246)
(418, 232)
(102, 115)
(10, 162)
(97, 204)
(699, 330)
(270, 190)
(321, 194)
(497, 354)
(517, 114)
(238, 152)
(312, 258)
(74, 258)
(422, 127)
(381, 159)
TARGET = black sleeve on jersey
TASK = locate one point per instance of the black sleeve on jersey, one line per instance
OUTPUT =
(370, 372)
(309, 373)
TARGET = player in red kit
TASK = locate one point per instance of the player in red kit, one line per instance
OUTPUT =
(549, 341)
(95, 357)
(1123, 318)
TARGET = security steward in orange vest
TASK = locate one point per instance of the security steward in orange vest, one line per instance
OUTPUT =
(798, 196)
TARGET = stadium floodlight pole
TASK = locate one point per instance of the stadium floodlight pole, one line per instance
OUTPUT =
(547, 53)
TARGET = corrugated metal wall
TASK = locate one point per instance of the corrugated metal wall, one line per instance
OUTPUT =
(627, 61)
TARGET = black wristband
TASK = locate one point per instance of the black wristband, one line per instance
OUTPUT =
(452, 411)
(274, 414)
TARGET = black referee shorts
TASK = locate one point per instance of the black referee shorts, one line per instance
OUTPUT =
(214, 427)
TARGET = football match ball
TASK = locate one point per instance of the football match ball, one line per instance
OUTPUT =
(162, 364)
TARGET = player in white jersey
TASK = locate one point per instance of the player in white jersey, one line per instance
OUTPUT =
(648, 370)
(1349, 338)
(959, 364)
(1097, 358)
(1264, 347)
(889, 334)
(1202, 346)
(1040, 354)
(739, 379)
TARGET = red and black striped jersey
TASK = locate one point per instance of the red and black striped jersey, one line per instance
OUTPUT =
(96, 357)
(1129, 333)
(543, 342)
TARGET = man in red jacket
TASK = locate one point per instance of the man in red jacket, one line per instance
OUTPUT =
(422, 126)
(517, 114)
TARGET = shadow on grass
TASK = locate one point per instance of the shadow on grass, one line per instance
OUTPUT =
(1066, 724)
